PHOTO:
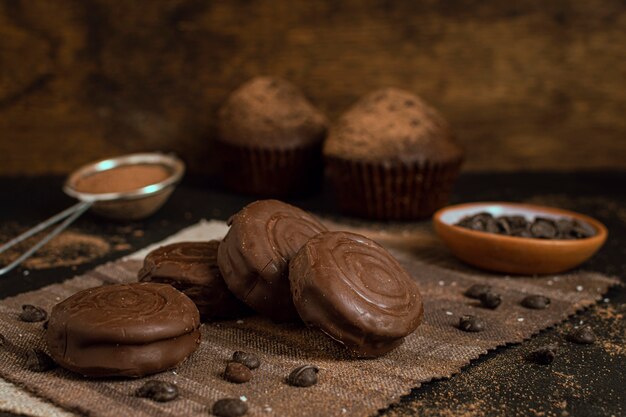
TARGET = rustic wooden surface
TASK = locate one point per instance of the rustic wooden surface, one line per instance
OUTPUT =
(527, 84)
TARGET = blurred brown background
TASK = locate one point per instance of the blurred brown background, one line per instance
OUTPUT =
(528, 84)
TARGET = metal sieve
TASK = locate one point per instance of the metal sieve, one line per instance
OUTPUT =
(129, 205)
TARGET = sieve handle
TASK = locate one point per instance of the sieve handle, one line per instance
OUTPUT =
(69, 215)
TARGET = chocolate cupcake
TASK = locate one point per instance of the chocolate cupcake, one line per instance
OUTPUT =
(270, 138)
(391, 157)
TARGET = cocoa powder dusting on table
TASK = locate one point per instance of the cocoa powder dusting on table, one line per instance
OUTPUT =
(68, 249)
(122, 179)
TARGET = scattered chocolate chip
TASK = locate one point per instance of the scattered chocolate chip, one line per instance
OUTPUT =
(9, 346)
(544, 355)
(476, 290)
(32, 313)
(583, 335)
(303, 376)
(471, 324)
(237, 373)
(229, 407)
(536, 302)
(38, 361)
(250, 360)
(539, 228)
(490, 300)
(160, 391)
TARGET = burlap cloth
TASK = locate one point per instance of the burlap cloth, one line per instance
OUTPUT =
(346, 387)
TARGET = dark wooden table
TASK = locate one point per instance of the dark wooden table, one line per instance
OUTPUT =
(582, 381)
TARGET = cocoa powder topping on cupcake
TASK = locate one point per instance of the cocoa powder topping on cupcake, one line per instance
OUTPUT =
(270, 112)
(392, 124)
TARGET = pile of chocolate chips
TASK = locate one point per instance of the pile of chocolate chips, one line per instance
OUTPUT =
(540, 228)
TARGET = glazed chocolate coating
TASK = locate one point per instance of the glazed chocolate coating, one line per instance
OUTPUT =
(254, 256)
(123, 330)
(356, 292)
(191, 267)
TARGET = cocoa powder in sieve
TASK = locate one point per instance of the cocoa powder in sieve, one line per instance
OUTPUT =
(122, 179)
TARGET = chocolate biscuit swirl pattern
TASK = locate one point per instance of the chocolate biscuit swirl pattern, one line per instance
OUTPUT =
(123, 330)
(355, 291)
(286, 232)
(191, 251)
(191, 267)
(254, 256)
(374, 276)
(119, 313)
(185, 260)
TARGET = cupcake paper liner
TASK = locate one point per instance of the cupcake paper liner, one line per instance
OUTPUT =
(400, 191)
(270, 172)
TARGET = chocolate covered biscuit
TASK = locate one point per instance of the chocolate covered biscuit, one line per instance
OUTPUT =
(356, 292)
(254, 256)
(191, 267)
(123, 330)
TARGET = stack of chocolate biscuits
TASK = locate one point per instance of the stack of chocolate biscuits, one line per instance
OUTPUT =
(283, 263)
(276, 259)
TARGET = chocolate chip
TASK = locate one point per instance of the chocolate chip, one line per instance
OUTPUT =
(229, 407)
(237, 373)
(476, 290)
(584, 336)
(490, 300)
(409, 103)
(38, 361)
(303, 376)
(536, 302)
(250, 360)
(544, 355)
(543, 229)
(477, 222)
(540, 228)
(32, 313)
(581, 230)
(160, 391)
(9, 346)
(503, 226)
(471, 324)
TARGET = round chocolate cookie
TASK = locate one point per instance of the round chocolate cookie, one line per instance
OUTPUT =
(254, 256)
(356, 292)
(191, 267)
(123, 330)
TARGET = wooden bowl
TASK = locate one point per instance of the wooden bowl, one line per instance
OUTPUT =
(515, 255)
